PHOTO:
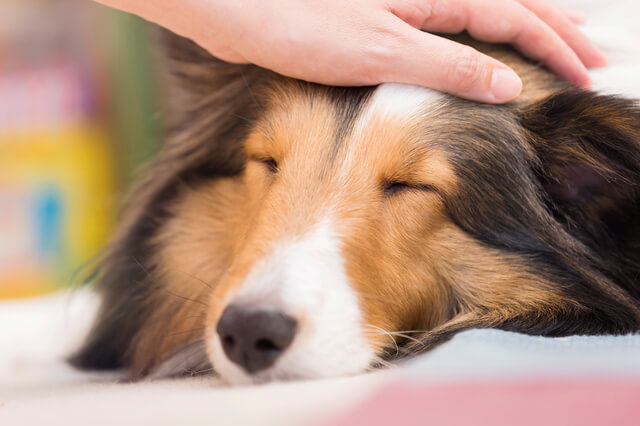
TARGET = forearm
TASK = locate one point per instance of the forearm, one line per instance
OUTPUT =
(211, 23)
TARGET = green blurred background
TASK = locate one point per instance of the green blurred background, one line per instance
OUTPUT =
(79, 114)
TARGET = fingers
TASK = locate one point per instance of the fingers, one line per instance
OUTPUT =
(450, 67)
(510, 22)
(562, 24)
(576, 16)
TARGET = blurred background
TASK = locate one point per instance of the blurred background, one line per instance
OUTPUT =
(79, 114)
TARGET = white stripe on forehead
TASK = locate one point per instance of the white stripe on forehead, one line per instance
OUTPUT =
(402, 100)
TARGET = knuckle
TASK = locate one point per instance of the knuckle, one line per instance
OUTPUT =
(466, 70)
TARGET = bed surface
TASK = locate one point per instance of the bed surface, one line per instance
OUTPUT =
(480, 377)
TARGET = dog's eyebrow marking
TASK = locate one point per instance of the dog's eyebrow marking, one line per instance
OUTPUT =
(355, 112)
(402, 102)
(396, 104)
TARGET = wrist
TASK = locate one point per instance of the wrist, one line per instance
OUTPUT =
(178, 16)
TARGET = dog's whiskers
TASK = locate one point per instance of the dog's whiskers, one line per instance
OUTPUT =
(381, 331)
(193, 330)
(199, 372)
(378, 362)
(194, 316)
(200, 280)
(406, 336)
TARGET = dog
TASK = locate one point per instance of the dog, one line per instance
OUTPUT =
(289, 230)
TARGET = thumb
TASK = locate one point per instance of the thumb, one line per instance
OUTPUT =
(438, 63)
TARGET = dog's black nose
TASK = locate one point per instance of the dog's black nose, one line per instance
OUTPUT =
(254, 339)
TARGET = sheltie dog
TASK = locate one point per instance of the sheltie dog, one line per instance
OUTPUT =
(289, 230)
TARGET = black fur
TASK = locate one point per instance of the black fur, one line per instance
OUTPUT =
(555, 182)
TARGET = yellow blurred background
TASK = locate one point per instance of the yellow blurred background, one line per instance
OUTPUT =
(79, 113)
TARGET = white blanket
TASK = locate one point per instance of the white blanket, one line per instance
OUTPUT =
(38, 388)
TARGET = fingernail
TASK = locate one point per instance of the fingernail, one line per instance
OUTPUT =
(505, 85)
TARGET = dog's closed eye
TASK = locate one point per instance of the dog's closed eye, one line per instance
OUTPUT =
(270, 163)
(392, 188)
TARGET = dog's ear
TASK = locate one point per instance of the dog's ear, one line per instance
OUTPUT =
(586, 159)
(211, 104)
(588, 147)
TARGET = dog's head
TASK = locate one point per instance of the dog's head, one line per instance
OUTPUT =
(290, 230)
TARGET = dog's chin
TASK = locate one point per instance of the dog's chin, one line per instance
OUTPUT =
(299, 362)
(235, 376)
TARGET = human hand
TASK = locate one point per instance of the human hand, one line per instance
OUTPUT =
(365, 42)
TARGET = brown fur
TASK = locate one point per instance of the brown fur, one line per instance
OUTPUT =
(500, 223)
